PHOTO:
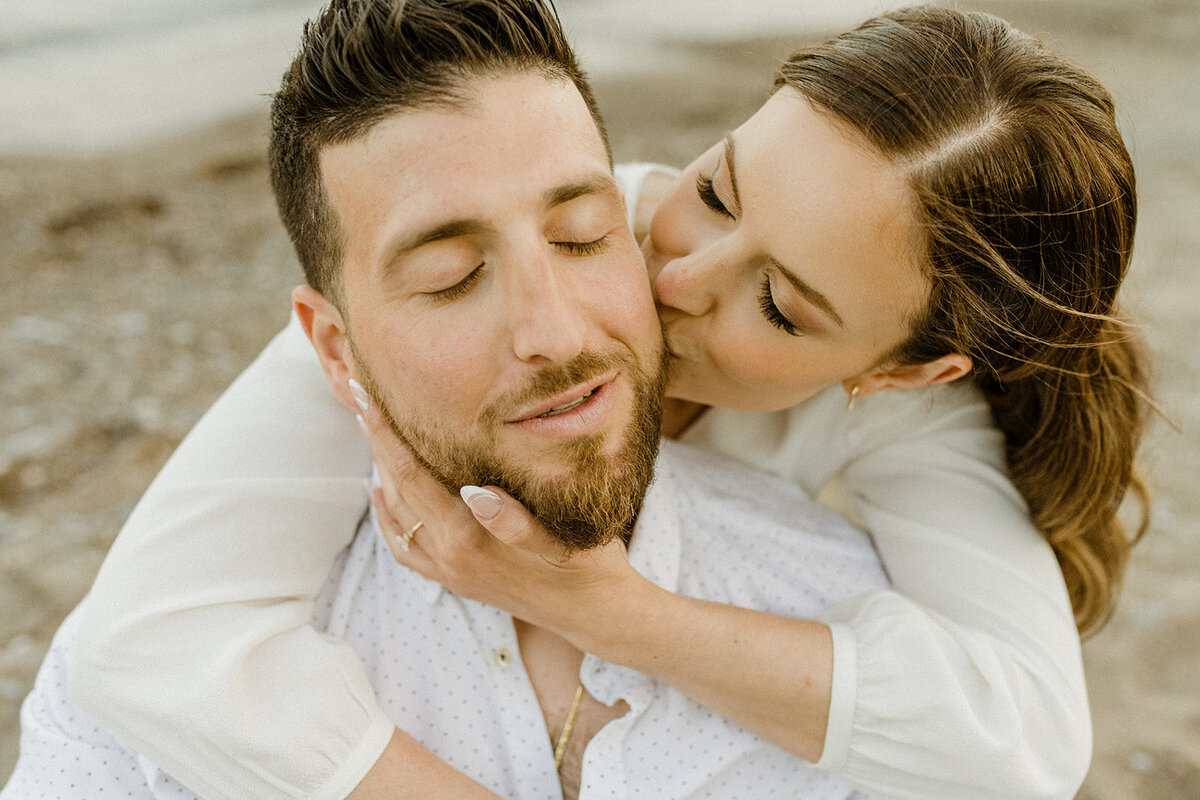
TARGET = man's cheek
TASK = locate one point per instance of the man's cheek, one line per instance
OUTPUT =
(628, 303)
(446, 388)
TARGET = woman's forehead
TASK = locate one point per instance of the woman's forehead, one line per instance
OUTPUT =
(816, 197)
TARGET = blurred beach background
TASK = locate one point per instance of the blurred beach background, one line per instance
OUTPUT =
(142, 267)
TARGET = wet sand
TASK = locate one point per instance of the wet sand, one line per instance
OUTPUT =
(135, 286)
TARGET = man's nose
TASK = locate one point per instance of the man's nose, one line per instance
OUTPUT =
(547, 317)
(689, 283)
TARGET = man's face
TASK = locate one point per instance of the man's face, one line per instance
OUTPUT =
(496, 305)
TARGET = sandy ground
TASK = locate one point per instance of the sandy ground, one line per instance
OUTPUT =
(134, 287)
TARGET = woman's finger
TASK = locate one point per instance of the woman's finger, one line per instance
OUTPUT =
(400, 476)
(391, 456)
(510, 522)
(400, 538)
(390, 515)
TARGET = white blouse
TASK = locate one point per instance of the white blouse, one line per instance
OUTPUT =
(196, 649)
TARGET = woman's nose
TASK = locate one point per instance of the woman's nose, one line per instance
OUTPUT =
(688, 284)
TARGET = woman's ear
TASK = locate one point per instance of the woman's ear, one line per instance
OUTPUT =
(326, 329)
(910, 376)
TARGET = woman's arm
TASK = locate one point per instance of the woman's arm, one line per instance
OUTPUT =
(194, 644)
(964, 681)
(967, 675)
(767, 672)
(979, 610)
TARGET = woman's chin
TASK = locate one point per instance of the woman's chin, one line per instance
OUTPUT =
(684, 387)
(683, 392)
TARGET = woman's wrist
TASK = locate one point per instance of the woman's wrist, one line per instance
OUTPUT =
(770, 673)
(615, 619)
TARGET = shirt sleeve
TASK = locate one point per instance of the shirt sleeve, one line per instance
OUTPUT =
(965, 679)
(195, 646)
(631, 178)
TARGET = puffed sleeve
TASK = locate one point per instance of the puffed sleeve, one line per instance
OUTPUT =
(966, 679)
(194, 645)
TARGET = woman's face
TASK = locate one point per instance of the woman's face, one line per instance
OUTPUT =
(784, 260)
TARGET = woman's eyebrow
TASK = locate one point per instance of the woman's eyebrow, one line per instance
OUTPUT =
(808, 291)
(729, 162)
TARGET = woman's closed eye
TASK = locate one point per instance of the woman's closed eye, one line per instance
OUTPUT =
(708, 196)
(766, 304)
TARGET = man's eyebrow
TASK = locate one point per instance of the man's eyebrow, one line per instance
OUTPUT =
(812, 295)
(598, 184)
(437, 233)
(455, 228)
(729, 162)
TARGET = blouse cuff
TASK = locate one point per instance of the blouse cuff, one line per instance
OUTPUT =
(842, 699)
(358, 761)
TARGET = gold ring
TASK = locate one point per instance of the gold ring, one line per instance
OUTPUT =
(406, 538)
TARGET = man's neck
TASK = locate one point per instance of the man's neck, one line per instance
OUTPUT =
(553, 666)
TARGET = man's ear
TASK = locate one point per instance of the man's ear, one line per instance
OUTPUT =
(326, 330)
(910, 376)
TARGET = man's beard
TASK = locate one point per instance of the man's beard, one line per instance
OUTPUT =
(599, 496)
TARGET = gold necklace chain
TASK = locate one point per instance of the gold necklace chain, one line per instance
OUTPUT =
(560, 747)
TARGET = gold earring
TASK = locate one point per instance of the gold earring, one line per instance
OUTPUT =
(853, 394)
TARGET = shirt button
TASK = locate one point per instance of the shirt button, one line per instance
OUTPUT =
(503, 657)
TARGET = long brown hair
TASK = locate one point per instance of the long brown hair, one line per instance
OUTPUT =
(1025, 193)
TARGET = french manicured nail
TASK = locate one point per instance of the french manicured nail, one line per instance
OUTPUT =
(483, 504)
(359, 394)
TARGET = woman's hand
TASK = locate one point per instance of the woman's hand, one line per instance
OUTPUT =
(486, 546)
(771, 674)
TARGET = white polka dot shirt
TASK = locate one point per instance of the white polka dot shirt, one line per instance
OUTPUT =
(448, 670)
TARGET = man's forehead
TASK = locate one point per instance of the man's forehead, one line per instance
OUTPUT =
(502, 101)
(518, 125)
(514, 146)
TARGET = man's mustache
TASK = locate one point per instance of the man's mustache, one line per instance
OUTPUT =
(555, 379)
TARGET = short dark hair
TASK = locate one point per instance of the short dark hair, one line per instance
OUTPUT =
(361, 61)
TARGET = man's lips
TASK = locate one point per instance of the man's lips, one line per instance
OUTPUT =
(566, 401)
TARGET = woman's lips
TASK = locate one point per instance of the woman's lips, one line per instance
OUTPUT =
(678, 346)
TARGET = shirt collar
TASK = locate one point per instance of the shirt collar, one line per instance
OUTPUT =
(655, 548)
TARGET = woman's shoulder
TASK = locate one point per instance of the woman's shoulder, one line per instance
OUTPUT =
(929, 417)
(812, 441)
(644, 186)
(924, 425)
(957, 403)
(886, 415)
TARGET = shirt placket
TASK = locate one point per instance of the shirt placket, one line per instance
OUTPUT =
(604, 768)
(524, 728)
